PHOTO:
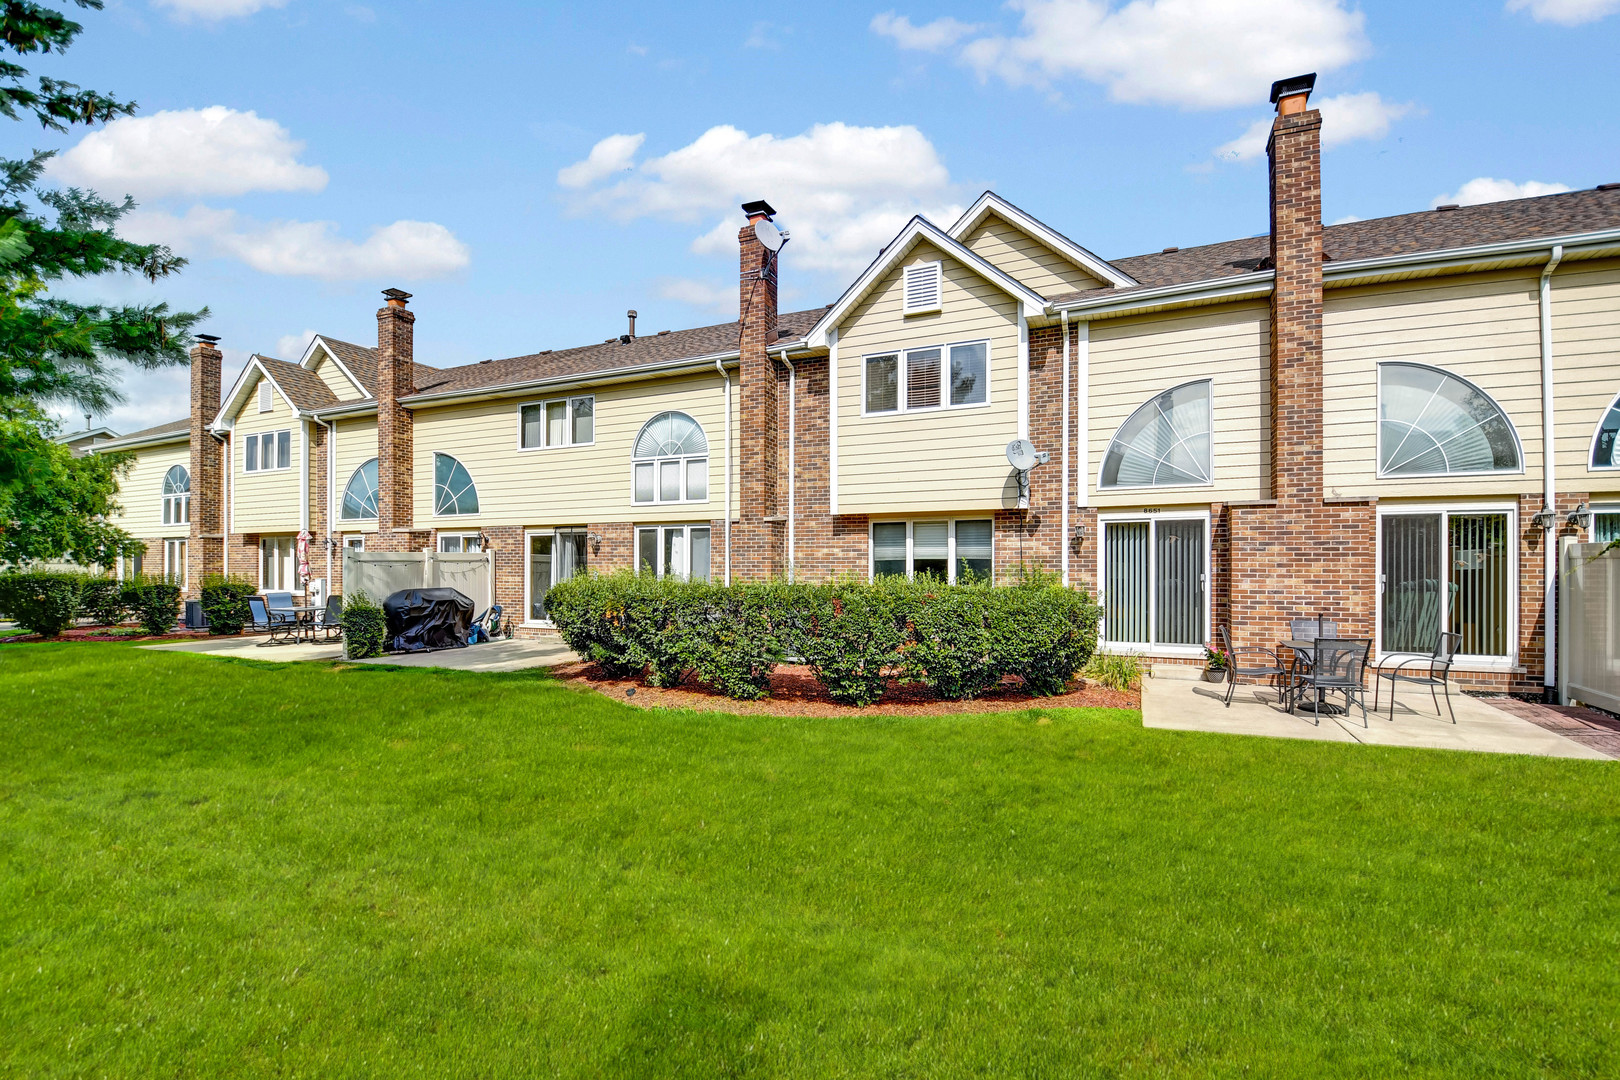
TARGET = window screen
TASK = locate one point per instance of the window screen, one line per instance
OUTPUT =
(250, 454)
(922, 379)
(882, 383)
(969, 380)
(534, 434)
(889, 548)
(972, 551)
(584, 419)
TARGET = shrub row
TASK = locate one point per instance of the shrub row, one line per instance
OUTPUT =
(959, 640)
(225, 603)
(46, 602)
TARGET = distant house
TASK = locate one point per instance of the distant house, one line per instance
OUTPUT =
(1389, 422)
(80, 442)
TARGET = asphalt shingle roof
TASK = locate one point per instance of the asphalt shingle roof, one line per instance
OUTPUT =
(173, 427)
(307, 389)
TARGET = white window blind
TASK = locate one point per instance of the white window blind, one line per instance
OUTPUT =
(922, 288)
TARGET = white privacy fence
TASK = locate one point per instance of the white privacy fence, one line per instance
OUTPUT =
(1589, 625)
(380, 573)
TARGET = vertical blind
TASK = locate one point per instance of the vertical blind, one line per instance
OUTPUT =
(1464, 587)
(1178, 549)
(1412, 582)
(1479, 594)
(1125, 592)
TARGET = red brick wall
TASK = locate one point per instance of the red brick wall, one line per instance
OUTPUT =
(395, 353)
(205, 549)
(756, 544)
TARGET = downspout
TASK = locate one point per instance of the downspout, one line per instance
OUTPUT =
(331, 478)
(793, 430)
(1064, 534)
(721, 368)
(227, 451)
(1549, 478)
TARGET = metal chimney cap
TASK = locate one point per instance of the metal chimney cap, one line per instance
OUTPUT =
(209, 338)
(397, 294)
(1299, 84)
(758, 208)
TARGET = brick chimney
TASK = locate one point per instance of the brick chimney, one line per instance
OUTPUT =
(1295, 150)
(395, 349)
(205, 554)
(757, 541)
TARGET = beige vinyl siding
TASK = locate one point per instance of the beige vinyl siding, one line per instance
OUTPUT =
(335, 380)
(1132, 360)
(1482, 327)
(939, 459)
(266, 502)
(570, 485)
(140, 492)
(356, 443)
(1026, 259)
(1586, 367)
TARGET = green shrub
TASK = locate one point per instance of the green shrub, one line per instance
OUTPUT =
(854, 636)
(951, 644)
(225, 603)
(588, 612)
(43, 602)
(727, 636)
(155, 602)
(1117, 671)
(1043, 633)
(364, 627)
(101, 600)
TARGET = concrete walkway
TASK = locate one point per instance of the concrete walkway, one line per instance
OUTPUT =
(515, 654)
(1177, 700)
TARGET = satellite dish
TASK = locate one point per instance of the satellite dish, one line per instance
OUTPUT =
(1021, 455)
(769, 236)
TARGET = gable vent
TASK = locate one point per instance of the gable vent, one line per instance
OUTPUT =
(922, 288)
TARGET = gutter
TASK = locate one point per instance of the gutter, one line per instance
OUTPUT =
(1447, 257)
(114, 446)
(1549, 475)
(1233, 287)
(331, 479)
(793, 430)
(1064, 527)
(720, 367)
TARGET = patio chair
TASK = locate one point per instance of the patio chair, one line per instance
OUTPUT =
(1313, 628)
(1435, 670)
(332, 617)
(262, 619)
(1339, 666)
(1235, 670)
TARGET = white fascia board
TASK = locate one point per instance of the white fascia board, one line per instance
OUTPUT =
(309, 357)
(1464, 257)
(685, 365)
(1236, 287)
(920, 228)
(145, 442)
(1086, 260)
(233, 400)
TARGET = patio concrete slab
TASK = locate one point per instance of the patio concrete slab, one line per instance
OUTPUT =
(516, 654)
(1183, 705)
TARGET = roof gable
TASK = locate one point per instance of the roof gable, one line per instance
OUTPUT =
(320, 357)
(990, 204)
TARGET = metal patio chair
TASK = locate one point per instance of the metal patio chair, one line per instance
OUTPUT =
(1339, 666)
(332, 618)
(1419, 670)
(264, 619)
(1234, 670)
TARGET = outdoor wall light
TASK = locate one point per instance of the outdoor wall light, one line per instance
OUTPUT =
(1544, 519)
(1580, 517)
(595, 541)
(1079, 533)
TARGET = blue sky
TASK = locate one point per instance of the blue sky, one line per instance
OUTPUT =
(529, 172)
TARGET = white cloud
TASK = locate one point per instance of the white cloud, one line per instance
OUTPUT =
(291, 347)
(1197, 54)
(616, 153)
(212, 151)
(214, 10)
(1566, 12)
(936, 36)
(1485, 189)
(404, 250)
(842, 190)
(1345, 118)
(1346, 220)
(707, 295)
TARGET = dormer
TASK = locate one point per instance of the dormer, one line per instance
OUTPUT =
(1030, 251)
(322, 359)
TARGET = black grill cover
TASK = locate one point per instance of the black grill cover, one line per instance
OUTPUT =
(423, 619)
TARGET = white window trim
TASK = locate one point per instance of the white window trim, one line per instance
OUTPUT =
(528, 579)
(903, 407)
(1463, 661)
(1597, 429)
(662, 526)
(356, 542)
(938, 266)
(1214, 445)
(568, 409)
(473, 534)
(1137, 648)
(708, 469)
(950, 544)
(1378, 422)
(171, 546)
(258, 447)
(296, 588)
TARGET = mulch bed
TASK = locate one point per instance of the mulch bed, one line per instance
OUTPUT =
(99, 633)
(795, 692)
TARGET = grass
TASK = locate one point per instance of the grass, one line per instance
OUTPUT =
(221, 868)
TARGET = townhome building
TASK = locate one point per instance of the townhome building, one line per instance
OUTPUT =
(1389, 423)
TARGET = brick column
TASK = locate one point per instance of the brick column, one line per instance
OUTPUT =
(395, 352)
(756, 542)
(205, 547)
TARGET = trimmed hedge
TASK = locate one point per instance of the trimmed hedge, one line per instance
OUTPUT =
(155, 602)
(364, 627)
(959, 640)
(102, 601)
(225, 603)
(43, 602)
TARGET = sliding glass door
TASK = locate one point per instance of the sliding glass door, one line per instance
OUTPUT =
(554, 557)
(1155, 573)
(1447, 570)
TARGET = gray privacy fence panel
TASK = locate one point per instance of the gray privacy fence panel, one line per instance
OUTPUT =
(381, 573)
(1589, 625)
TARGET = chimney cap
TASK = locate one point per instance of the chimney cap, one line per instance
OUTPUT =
(396, 296)
(209, 338)
(758, 208)
(1299, 84)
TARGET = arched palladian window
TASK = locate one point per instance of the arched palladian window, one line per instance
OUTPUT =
(453, 490)
(671, 460)
(177, 495)
(1164, 443)
(360, 494)
(1432, 423)
(1604, 454)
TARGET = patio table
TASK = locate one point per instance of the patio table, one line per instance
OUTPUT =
(1321, 706)
(304, 621)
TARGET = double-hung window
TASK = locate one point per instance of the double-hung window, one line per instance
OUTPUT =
(174, 561)
(460, 543)
(1450, 569)
(1155, 570)
(955, 551)
(671, 461)
(177, 495)
(277, 566)
(930, 377)
(267, 451)
(680, 551)
(564, 422)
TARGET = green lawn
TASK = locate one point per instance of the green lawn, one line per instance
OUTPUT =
(212, 868)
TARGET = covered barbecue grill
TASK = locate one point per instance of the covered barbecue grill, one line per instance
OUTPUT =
(423, 619)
